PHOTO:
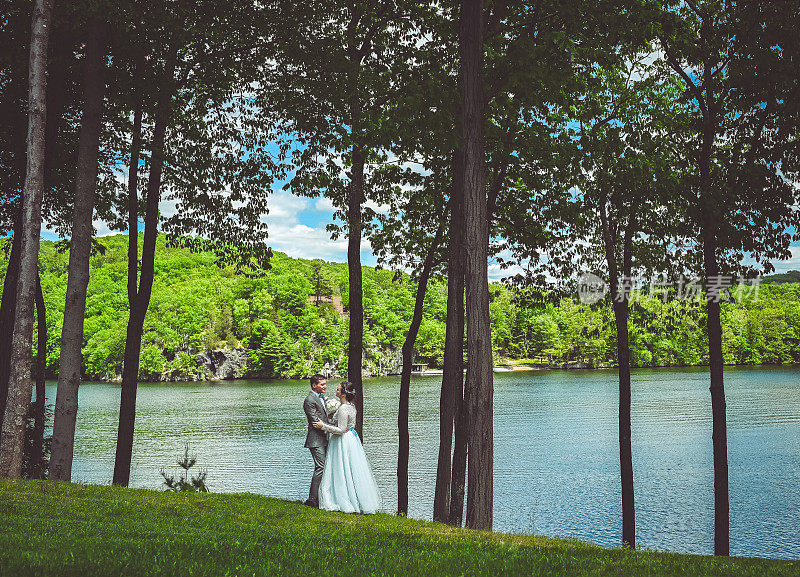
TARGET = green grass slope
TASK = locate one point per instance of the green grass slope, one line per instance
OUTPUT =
(62, 529)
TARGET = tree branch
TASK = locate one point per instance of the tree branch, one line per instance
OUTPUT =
(675, 65)
(695, 8)
(367, 42)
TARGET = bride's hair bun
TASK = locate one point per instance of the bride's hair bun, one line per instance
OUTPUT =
(349, 390)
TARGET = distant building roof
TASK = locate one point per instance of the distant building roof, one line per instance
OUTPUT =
(335, 300)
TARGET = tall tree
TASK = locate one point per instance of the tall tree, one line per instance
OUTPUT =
(333, 75)
(320, 282)
(405, 376)
(527, 45)
(431, 122)
(59, 142)
(740, 197)
(13, 126)
(409, 235)
(448, 504)
(626, 165)
(69, 374)
(552, 47)
(206, 156)
(140, 299)
(479, 388)
(20, 384)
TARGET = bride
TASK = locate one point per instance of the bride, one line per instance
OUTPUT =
(347, 483)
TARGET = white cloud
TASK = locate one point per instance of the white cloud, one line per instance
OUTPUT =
(168, 207)
(497, 273)
(792, 263)
(48, 232)
(324, 204)
(379, 208)
(102, 228)
(288, 235)
(285, 205)
(302, 241)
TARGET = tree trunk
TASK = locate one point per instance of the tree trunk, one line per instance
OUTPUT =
(133, 190)
(461, 446)
(405, 376)
(140, 302)
(37, 446)
(55, 95)
(718, 409)
(20, 384)
(355, 345)
(625, 453)
(453, 373)
(127, 408)
(719, 434)
(7, 309)
(461, 416)
(479, 388)
(708, 232)
(62, 43)
(620, 305)
(69, 373)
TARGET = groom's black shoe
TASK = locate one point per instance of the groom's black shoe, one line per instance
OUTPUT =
(310, 503)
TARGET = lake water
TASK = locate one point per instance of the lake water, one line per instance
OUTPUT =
(556, 449)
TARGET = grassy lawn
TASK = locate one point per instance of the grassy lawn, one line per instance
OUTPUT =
(62, 529)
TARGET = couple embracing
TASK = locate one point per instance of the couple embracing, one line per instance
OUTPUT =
(342, 478)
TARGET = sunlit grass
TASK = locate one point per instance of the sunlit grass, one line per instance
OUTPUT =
(63, 529)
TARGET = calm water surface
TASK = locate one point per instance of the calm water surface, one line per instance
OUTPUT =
(556, 449)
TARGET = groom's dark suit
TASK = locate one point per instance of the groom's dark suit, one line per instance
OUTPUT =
(316, 441)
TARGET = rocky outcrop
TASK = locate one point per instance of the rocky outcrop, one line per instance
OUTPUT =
(383, 362)
(578, 365)
(223, 364)
(230, 363)
(376, 363)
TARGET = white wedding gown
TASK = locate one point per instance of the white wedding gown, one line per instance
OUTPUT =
(347, 483)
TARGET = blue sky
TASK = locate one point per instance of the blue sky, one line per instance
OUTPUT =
(297, 227)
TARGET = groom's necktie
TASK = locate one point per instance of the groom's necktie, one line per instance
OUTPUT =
(324, 406)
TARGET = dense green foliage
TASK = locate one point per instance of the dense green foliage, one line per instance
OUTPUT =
(139, 532)
(198, 306)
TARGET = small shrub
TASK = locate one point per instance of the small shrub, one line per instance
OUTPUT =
(186, 482)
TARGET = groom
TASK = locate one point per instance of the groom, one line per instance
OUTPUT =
(316, 439)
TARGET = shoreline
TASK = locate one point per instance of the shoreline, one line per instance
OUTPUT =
(499, 368)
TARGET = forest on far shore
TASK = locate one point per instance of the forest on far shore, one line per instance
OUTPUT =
(197, 306)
